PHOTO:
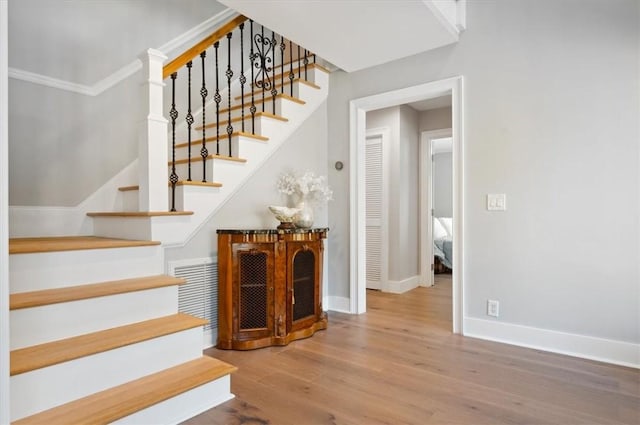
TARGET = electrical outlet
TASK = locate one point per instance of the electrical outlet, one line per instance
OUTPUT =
(493, 308)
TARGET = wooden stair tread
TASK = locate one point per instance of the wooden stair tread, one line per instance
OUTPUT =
(210, 156)
(138, 213)
(128, 188)
(198, 183)
(267, 98)
(118, 402)
(280, 85)
(223, 123)
(179, 183)
(70, 243)
(55, 352)
(82, 292)
(198, 142)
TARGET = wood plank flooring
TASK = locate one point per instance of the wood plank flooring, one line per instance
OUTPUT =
(400, 364)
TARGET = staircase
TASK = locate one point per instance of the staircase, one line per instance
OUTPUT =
(96, 335)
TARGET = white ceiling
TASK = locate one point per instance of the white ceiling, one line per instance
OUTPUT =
(354, 34)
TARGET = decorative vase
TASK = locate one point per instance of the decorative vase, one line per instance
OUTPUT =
(284, 215)
(304, 217)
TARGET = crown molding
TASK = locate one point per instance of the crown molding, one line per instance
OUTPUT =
(126, 71)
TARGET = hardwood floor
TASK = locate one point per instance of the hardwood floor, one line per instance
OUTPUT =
(400, 364)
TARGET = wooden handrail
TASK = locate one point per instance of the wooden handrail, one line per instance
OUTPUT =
(203, 45)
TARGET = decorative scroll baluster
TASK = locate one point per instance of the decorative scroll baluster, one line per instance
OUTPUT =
(306, 62)
(274, 89)
(282, 47)
(299, 62)
(189, 119)
(242, 78)
(203, 93)
(252, 57)
(217, 98)
(291, 74)
(229, 74)
(264, 62)
(174, 115)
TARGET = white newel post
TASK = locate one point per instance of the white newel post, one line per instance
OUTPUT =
(152, 140)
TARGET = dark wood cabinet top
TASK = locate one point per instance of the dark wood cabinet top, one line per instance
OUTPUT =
(271, 231)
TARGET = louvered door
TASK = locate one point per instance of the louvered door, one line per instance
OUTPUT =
(374, 187)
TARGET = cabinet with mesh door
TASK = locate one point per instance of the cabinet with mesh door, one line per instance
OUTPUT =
(270, 287)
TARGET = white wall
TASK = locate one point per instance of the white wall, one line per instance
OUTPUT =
(4, 224)
(402, 122)
(435, 119)
(551, 119)
(442, 184)
(305, 150)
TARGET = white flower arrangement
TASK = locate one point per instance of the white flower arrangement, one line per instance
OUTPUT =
(306, 187)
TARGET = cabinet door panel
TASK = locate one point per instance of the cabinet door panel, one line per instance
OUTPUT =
(302, 284)
(253, 296)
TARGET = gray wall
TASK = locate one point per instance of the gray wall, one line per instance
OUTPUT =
(402, 211)
(435, 119)
(64, 145)
(551, 119)
(442, 185)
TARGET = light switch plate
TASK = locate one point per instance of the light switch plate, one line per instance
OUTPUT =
(496, 202)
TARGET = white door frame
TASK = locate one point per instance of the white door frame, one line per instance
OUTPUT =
(425, 185)
(4, 213)
(384, 133)
(357, 135)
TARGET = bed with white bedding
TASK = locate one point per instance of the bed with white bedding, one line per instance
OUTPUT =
(442, 240)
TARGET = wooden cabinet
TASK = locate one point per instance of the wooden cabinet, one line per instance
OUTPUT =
(270, 286)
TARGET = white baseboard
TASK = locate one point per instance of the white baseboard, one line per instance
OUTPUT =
(338, 304)
(587, 347)
(401, 286)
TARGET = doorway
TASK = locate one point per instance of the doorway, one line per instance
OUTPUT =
(358, 109)
(435, 202)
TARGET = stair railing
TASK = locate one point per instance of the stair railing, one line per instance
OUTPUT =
(268, 53)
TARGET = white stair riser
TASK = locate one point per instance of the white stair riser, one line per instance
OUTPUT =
(37, 325)
(182, 170)
(31, 272)
(45, 388)
(160, 228)
(184, 406)
(130, 200)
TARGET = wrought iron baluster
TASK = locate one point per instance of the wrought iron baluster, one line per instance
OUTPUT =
(306, 62)
(252, 109)
(291, 74)
(189, 119)
(263, 62)
(174, 115)
(229, 74)
(274, 90)
(217, 98)
(204, 153)
(299, 62)
(282, 47)
(242, 78)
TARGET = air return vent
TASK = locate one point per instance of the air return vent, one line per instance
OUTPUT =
(199, 295)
